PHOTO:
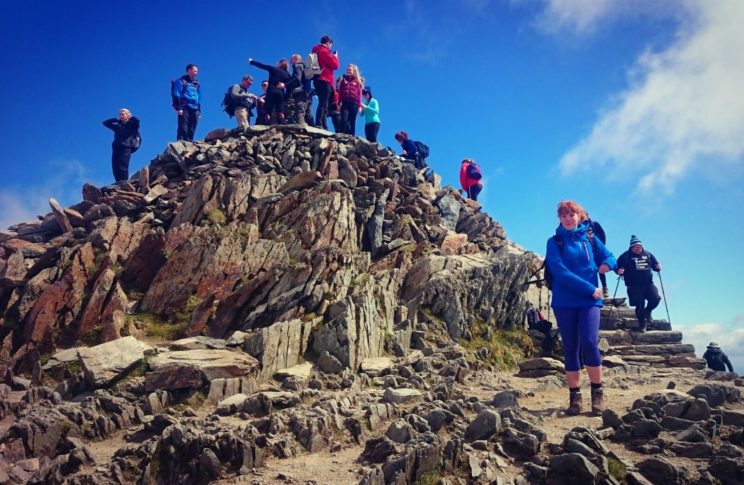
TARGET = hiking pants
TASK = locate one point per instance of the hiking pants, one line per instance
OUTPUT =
(349, 111)
(275, 106)
(371, 130)
(579, 329)
(296, 109)
(324, 91)
(187, 124)
(120, 163)
(645, 299)
(474, 190)
(242, 117)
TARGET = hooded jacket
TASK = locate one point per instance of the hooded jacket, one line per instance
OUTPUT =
(717, 360)
(638, 267)
(574, 269)
(328, 63)
(186, 93)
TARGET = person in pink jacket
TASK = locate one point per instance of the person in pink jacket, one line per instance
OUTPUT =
(323, 82)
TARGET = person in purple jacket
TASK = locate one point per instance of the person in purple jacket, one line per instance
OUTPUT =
(577, 299)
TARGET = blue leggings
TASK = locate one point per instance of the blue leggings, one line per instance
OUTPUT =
(579, 329)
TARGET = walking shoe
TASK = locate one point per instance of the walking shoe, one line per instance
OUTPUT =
(574, 404)
(598, 401)
(605, 292)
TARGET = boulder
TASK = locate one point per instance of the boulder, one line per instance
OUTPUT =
(485, 424)
(401, 396)
(109, 361)
(571, 468)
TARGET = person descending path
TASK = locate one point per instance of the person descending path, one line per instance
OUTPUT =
(186, 97)
(243, 101)
(126, 141)
(371, 111)
(323, 82)
(635, 266)
(595, 228)
(350, 87)
(577, 300)
(278, 79)
(470, 178)
(716, 359)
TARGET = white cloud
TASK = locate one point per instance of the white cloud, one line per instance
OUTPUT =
(683, 110)
(24, 203)
(729, 337)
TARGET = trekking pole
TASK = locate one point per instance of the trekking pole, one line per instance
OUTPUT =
(663, 293)
(612, 304)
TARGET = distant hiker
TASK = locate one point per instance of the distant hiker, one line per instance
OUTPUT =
(470, 178)
(126, 141)
(186, 94)
(278, 79)
(334, 111)
(635, 265)
(412, 150)
(298, 92)
(243, 101)
(323, 82)
(371, 111)
(595, 228)
(577, 300)
(716, 359)
(262, 118)
(350, 87)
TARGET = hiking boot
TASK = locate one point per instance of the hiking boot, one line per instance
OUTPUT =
(574, 404)
(605, 293)
(598, 401)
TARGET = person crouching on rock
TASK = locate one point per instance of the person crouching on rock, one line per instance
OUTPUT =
(577, 300)
(716, 359)
(126, 141)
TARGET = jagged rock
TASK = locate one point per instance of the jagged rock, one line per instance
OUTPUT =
(192, 368)
(197, 343)
(660, 471)
(279, 346)
(540, 367)
(486, 424)
(105, 363)
(519, 444)
(374, 366)
(506, 399)
(570, 468)
(399, 431)
(401, 396)
(716, 394)
(329, 364)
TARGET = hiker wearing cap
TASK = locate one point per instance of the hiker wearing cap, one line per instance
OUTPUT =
(278, 79)
(243, 101)
(470, 178)
(716, 359)
(323, 82)
(576, 300)
(126, 141)
(186, 97)
(371, 112)
(635, 265)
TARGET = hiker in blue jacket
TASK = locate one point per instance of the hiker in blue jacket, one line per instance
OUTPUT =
(186, 95)
(576, 301)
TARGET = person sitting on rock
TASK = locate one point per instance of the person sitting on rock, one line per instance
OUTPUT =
(577, 301)
(278, 79)
(716, 359)
(410, 150)
(635, 266)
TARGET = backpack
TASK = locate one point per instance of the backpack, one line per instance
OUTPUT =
(422, 149)
(228, 106)
(559, 242)
(136, 142)
(474, 172)
(312, 66)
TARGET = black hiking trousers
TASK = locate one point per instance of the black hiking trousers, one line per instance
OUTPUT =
(645, 299)
(187, 124)
(324, 91)
(120, 163)
(371, 130)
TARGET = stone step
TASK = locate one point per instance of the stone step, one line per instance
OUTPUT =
(614, 322)
(623, 337)
(652, 349)
(686, 360)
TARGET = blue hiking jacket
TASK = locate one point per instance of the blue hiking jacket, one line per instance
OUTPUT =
(574, 271)
(186, 93)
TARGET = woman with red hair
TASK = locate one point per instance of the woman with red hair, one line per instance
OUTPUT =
(572, 261)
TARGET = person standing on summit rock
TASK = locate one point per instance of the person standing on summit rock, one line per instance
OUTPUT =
(126, 141)
(470, 178)
(635, 265)
(323, 82)
(186, 96)
(577, 299)
(278, 78)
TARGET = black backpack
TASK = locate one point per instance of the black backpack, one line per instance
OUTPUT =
(559, 242)
(227, 102)
(422, 149)
(474, 172)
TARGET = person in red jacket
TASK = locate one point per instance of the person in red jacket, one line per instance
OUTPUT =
(323, 82)
(349, 87)
(470, 178)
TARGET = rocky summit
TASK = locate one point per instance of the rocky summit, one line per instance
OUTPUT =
(283, 305)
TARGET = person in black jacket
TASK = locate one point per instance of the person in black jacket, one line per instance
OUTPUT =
(635, 265)
(278, 79)
(716, 359)
(126, 141)
(597, 230)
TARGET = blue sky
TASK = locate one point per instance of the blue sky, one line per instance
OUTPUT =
(634, 110)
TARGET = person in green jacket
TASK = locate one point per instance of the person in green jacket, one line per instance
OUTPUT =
(371, 111)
